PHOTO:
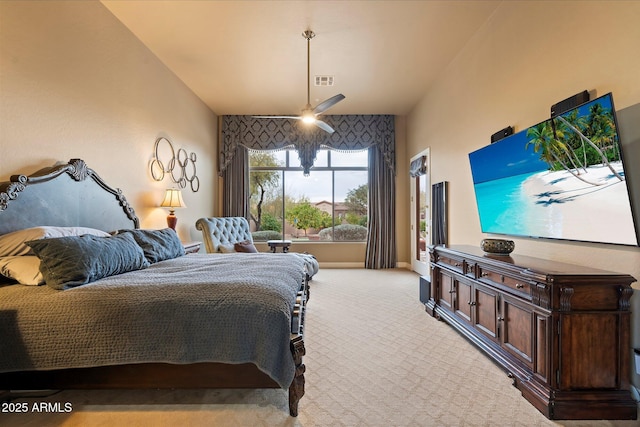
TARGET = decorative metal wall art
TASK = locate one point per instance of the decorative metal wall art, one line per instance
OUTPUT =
(179, 165)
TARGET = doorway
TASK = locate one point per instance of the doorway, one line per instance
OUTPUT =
(419, 172)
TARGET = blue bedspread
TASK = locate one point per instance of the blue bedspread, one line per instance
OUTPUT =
(231, 308)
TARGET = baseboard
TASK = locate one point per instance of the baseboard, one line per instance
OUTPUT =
(341, 265)
(327, 265)
(635, 393)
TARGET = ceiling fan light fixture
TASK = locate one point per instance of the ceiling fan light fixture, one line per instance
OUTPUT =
(308, 117)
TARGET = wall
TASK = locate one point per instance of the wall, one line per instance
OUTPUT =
(403, 198)
(529, 55)
(76, 83)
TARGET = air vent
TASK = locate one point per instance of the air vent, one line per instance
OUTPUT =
(324, 80)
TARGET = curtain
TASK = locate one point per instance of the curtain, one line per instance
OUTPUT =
(439, 213)
(235, 201)
(418, 167)
(381, 241)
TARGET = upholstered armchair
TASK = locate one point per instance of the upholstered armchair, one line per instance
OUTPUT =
(221, 233)
(218, 232)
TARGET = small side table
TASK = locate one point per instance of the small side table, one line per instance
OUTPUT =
(191, 247)
(274, 244)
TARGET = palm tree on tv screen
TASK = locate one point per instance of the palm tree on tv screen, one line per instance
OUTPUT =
(552, 149)
(560, 140)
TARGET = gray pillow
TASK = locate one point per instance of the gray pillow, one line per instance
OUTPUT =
(66, 262)
(158, 245)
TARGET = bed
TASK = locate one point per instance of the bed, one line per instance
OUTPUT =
(140, 313)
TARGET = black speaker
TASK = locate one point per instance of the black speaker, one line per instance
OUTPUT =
(569, 103)
(503, 133)
(425, 289)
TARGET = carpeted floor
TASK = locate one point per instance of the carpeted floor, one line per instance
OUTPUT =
(374, 358)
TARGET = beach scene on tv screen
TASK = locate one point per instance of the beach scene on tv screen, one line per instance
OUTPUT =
(561, 179)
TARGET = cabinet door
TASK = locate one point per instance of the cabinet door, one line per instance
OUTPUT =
(485, 304)
(518, 329)
(542, 346)
(590, 351)
(464, 303)
(446, 290)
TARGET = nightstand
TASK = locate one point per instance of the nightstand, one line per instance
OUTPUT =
(191, 247)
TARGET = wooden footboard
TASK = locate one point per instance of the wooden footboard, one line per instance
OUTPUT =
(296, 389)
(167, 375)
(160, 375)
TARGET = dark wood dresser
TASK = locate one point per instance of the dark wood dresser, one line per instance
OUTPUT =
(562, 332)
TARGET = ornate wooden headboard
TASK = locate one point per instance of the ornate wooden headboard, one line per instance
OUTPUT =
(64, 195)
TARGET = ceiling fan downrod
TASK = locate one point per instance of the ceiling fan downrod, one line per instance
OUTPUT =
(308, 34)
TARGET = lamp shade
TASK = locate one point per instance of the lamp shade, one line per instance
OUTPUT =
(173, 199)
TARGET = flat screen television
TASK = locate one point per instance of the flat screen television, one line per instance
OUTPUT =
(563, 178)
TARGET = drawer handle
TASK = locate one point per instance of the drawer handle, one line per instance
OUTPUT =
(457, 264)
(471, 303)
(519, 285)
(484, 274)
(452, 291)
(500, 319)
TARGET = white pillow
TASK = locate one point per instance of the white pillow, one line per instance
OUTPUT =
(12, 244)
(24, 269)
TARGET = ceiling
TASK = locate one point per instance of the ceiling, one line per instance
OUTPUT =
(249, 57)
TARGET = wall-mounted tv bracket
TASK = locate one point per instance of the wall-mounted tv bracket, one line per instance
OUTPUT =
(502, 133)
(569, 103)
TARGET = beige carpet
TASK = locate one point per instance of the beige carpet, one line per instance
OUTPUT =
(374, 358)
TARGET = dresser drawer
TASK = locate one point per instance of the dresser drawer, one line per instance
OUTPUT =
(501, 279)
(452, 263)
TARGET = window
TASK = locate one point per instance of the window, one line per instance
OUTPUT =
(331, 204)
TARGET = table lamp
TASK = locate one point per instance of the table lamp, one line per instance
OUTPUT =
(172, 200)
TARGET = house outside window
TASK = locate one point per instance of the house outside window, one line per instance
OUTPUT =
(331, 204)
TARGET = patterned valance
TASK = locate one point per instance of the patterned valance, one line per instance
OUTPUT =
(352, 132)
(418, 167)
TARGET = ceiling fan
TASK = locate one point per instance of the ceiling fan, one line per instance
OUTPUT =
(309, 113)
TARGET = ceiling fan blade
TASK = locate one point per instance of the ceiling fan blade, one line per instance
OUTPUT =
(325, 105)
(325, 127)
(277, 117)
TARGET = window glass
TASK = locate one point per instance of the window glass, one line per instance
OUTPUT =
(321, 160)
(308, 204)
(351, 158)
(265, 204)
(329, 204)
(351, 208)
(276, 158)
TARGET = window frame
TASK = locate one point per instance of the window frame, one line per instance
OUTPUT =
(333, 169)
